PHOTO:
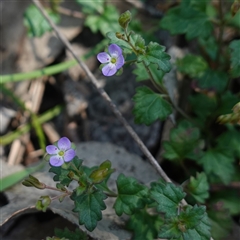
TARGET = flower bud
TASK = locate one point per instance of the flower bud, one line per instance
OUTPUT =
(33, 182)
(124, 19)
(102, 172)
(119, 35)
(71, 174)
(43, 203)
(235, 7)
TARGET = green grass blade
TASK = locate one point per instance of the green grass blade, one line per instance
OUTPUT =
(16, 177)
(8, 138)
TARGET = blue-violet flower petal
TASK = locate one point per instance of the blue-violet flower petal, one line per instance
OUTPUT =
(60, 153)
(113, 62)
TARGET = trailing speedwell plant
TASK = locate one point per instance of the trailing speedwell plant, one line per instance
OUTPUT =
(159, 210)
(168, 217)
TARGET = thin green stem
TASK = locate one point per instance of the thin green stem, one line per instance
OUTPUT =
(49, 70)
(130, 61)
(62, 195)
(53, 188)
(33, 116)
(158, 87)
(8, 138)
(129, 42)
(77, 170)
(164, 91)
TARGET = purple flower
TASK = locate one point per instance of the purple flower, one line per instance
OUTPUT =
(60, 153)
(114, 61)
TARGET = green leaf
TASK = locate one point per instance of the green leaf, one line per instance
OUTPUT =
(168, 197)
(203, 106)
(131, 195)
(213, 80)
(232, 21)
(198, 187)
(197, 223)
(187, 19)
(155, 54)
(142, 73)
(184, 142)
(144, 225)
(104, 22)
(62, 174)
(210, 45)
(170, 229)
(221, 223)
(229, 199)
(228, 100)
(192, 65)
(138, 42)
(35, 22)
(235, 58)
(73, 235)
(150, 106)
(218, 163)
(231, 141)
(91, 7)
(192, 223)
(89, 206)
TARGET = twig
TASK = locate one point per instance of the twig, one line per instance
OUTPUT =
(70, 13)
(105, 96)
(137, 4)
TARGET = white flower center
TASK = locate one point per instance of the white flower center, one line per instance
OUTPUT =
(113, 60)
(61, 153)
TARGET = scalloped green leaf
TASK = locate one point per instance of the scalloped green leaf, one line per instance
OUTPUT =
(150, 106)
(191, 223)
(184, 142)
(155, 54)
(230, 140)
(189, 19)
(144, 225)
(168, 197)
(35, 22)
(218, 163)
(213, 80)
(192, 65)
(198, 187)
(73, 235)
(91, 7)
(131, 195)
(142, 74)
(89, 206)
(104, 22)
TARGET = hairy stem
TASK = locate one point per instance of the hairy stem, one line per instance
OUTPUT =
(56, 189)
